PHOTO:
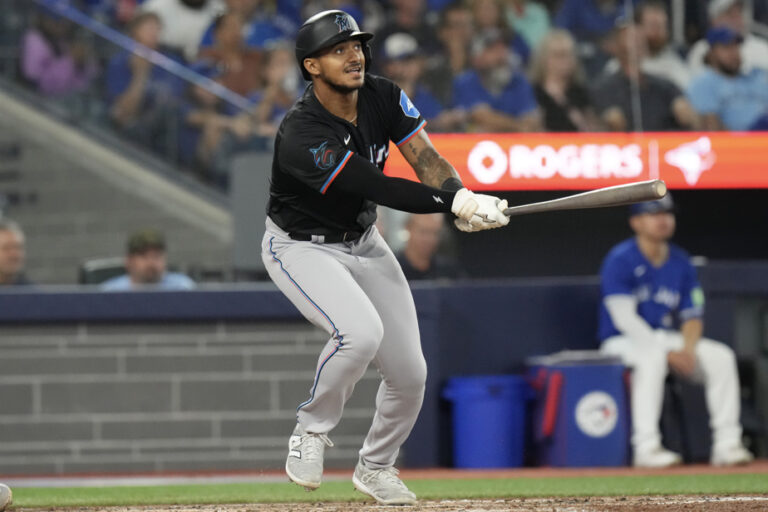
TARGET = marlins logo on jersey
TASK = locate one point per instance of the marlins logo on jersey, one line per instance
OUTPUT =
(324, 157)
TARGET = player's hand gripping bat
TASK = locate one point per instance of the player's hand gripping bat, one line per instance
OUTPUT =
(618, 195)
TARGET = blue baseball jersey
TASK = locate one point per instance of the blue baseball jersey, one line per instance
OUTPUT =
(666, 296)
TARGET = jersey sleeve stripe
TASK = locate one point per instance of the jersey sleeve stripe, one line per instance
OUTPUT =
(410, 135)
(335, 172)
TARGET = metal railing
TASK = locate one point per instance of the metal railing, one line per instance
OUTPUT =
(90, 108)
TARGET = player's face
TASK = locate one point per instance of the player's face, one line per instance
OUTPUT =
(147, 267)
(342, 66)
(12, 253)
(658, 227)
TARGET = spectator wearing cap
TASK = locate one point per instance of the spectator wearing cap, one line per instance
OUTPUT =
(12, 254)
(529, 19)
(558, 82)
(730, 14)
(651, 317)
(404, 65)
(142, 96)
(51, 60)
(146, 264)
(725, 96)
(632, 100)
(496, 96)
(454, 34)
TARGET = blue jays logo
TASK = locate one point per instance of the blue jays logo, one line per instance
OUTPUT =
(324, 157)
(342, 20)
(409, 109)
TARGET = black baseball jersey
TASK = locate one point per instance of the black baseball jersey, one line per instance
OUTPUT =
(313, 146)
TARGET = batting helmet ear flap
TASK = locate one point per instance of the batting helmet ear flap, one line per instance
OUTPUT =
(326, 29)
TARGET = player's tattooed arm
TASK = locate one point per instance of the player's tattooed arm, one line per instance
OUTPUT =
(431, 168)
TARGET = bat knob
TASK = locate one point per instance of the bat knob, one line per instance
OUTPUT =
(659, 188)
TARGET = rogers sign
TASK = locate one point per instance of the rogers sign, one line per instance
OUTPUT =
(489, 162)
(582, 161)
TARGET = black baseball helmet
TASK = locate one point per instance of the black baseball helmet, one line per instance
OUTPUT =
(326, 29)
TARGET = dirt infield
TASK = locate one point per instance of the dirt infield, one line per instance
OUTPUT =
(598, 504)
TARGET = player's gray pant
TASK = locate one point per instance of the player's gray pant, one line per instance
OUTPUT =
(358, 294)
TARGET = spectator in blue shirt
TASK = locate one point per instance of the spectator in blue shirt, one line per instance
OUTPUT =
(146, 266)
(725, 96)
(496, 96)
(405, 66)
(589, 20)
(260, 28)
(142, 96)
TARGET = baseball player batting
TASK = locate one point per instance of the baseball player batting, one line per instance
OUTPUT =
(322, 250)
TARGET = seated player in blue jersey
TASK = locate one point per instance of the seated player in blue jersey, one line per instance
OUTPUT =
(651, 316)
(496, 96)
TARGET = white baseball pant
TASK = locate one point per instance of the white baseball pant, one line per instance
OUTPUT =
(716, 369)
(355, 291)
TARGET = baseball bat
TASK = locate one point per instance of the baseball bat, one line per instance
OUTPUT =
(618, 195)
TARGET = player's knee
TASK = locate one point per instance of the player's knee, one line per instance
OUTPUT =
(717, 356)
(414, 376)
(651, 361)
(364, 338)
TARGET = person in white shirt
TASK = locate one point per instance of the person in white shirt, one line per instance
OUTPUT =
(730, 14)
(184, 22)
(661, 59)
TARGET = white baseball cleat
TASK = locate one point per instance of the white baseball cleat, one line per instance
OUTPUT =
(383, 485)
(731, 455)
(657, 457)
(304, 464)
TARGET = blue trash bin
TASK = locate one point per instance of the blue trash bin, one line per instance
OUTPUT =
(488, 420)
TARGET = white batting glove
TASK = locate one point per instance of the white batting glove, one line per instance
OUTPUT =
(477, 212)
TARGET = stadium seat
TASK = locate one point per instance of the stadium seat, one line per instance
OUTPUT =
(98, 270)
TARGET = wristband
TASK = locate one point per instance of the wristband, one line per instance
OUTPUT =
(452, 185)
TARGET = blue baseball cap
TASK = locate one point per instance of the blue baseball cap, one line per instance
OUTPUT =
(663, 205)
(723, 35)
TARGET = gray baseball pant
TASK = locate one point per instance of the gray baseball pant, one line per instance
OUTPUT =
(357, 293)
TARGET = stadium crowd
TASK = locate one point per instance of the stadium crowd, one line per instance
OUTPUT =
(469, 66)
